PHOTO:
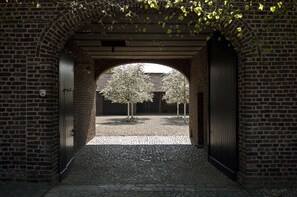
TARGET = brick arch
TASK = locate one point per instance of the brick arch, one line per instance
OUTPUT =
(245, 45)
(182, 65)
(55, 35)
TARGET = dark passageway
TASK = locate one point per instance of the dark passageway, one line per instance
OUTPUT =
(144, 166)
(158, 160)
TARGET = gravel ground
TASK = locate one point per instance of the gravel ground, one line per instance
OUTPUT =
(142, 126)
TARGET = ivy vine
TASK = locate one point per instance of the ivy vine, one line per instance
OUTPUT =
(202, 14)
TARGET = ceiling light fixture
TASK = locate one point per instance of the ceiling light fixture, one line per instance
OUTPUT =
(113, 43)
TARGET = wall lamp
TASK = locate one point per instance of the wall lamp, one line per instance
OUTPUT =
(88, 69)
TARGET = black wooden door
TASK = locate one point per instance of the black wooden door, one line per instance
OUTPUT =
(66, 86)
(223, 106)
(200, 115)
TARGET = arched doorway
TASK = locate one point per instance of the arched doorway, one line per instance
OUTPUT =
(106, 60)
(158, 106)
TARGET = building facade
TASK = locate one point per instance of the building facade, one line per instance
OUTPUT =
(157, 106)
(32, 39)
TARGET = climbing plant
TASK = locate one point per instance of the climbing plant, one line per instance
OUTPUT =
(200, 14)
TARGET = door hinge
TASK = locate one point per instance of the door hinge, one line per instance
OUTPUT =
(67, 90)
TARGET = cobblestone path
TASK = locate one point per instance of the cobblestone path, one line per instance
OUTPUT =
(144, 166)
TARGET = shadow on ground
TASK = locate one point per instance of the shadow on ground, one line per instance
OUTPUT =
(109, 164)
(176, 121)
(123, 121)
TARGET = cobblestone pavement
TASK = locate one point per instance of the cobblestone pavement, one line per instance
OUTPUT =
(144, 166)
(23, 189)
(144, 126)
(144, 191)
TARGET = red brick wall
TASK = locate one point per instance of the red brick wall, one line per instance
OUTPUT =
(84, 105)
(199, 83)
(84, 97)
(13, 105)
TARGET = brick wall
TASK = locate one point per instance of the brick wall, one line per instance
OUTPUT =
(199, 83)
(13, 112)
(84, 98)
(84, 105)
(28, 123)
(267, 103)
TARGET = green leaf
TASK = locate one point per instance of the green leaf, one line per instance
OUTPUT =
(128, 14)
(272, 9)
(261, 6)
(238, 16)
(198, 10)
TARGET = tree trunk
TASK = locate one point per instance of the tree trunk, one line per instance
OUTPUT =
(185, 111)
(177, 109)
(128, 110)
(132, 110)
(185, 105)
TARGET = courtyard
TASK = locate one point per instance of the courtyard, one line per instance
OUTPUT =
(144, 125)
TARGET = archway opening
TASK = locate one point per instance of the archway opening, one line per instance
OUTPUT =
(89, 69)
(163, 112)
(188, 55)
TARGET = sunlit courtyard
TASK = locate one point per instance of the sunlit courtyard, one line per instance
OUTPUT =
(161, 125)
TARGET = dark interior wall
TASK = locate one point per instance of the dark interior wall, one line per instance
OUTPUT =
(159, 106)
(99, 104)
(84, 106)
(199, 84)
(110, 108)
(84, 97)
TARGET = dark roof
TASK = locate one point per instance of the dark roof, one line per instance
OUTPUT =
(156, 79)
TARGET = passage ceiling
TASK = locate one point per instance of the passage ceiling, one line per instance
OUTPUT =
(144, 37)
